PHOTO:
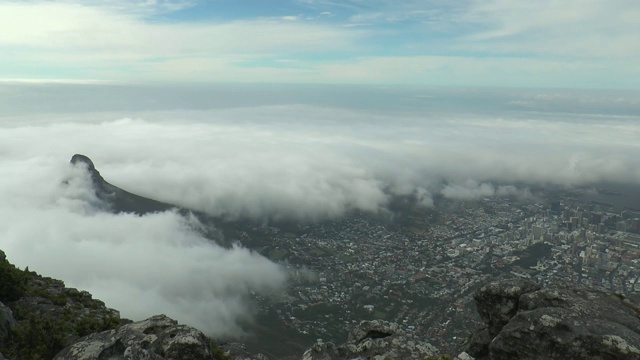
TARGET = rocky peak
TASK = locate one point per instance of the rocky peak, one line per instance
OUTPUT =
(79, 158)
(95, 174)
(103, 189)
(116, 199)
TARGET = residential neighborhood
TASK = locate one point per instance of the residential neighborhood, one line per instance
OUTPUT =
(420, 268)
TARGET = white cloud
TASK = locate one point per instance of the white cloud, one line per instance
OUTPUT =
(286, 161)
(545, 43)
(574, 28)
(100, 31)
(103, 41)
(141, 266)
(472, 190)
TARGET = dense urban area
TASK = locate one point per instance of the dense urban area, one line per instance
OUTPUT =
(420, 268)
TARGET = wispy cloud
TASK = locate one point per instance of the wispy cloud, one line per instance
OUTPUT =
(571, 28)
(162, 40)
(105, 40)
(61, 27)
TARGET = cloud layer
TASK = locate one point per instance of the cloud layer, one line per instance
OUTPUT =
(142, 266)
(287, 161)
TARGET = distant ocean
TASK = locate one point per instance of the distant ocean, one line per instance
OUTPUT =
(21, 98)
(619, 195)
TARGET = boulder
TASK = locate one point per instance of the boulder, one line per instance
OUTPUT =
(479, 344)
(158, 337)
(497, 302)
(464, 356)
(561, 321)
(375, 339)
(322, 351)
(7, 324)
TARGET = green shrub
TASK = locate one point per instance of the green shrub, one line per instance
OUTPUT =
(13, 282)
(42, 338)
(37, 338)
(88, 325)
(58, 300)
(441, 357)
(218, 354)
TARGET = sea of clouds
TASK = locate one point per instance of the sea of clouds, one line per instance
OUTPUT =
(299, 161)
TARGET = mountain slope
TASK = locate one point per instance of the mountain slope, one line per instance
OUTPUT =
(118, 199)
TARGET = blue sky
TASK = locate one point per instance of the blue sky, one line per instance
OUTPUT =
(498, 43)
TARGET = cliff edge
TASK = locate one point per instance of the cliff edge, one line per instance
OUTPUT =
(559, 321)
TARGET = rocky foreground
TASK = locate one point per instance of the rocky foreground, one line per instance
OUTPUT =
(158, 337)
(42, 319)
(523, 321)
(559, 321)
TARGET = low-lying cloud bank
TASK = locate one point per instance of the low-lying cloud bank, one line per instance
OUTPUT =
(272, 162)
(305, 162)
(141, 265)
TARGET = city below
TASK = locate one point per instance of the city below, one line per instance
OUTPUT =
(421, 268)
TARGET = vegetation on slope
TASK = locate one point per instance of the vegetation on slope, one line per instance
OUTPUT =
(49, 315)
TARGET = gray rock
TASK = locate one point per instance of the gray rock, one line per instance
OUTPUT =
(555, 333)
(497, 302)
(158, 337)
(479, 344)
(7, 324)
(464, 356)
(375, 339)
(322, 351)
(561, 321)
(583, 302)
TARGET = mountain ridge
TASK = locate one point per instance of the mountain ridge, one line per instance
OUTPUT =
(117, 199)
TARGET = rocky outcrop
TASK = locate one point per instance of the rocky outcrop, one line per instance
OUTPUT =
(50, 298)
(39, 315)
(48, 320)
(375, 339)
(116, 199)
(561, 321)
(102, 187)
(497, 302)
(158, 337)
(7, 324)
